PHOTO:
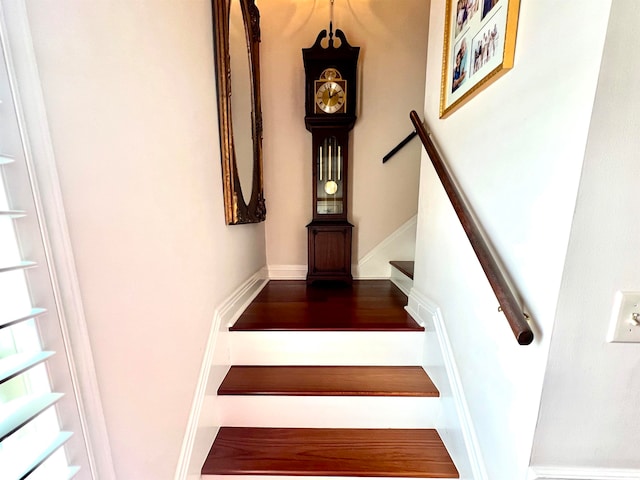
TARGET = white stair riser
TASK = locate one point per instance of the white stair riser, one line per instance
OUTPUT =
(326, 411)
(275, 477)
(326, 348)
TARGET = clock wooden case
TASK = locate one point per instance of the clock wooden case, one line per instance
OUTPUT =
(330, 107)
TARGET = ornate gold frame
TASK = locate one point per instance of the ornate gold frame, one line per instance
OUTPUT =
(510, 30)
(235, 209)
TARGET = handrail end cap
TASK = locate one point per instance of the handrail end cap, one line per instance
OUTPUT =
(525, 337)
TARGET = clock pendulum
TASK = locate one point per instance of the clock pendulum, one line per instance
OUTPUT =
(330, 114)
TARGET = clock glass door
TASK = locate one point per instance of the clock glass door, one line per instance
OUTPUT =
(329, 177)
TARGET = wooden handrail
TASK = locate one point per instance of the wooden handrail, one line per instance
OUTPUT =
(505, 295)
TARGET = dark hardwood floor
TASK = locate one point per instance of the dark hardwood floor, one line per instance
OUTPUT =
(367, 305)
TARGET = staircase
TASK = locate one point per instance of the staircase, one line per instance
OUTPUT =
(402, 274)
(327, 381)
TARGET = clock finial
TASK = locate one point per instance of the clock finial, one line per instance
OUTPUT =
(331, 25)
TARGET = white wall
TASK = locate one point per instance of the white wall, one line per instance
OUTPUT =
(392, 40)
(517, 150)
(589, 411)
(130, 95)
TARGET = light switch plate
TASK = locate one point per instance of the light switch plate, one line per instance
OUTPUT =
(622, 328)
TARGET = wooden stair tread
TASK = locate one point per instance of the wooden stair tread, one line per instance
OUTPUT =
(328, 380)
(367, 305)
(404, 266)
(415, 453)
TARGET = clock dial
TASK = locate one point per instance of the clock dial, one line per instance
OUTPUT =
(330, 74)
(330, 97)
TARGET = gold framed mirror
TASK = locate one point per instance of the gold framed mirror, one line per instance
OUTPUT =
(236, 33)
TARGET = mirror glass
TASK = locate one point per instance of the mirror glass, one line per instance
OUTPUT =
(237, 36)
(241, 99)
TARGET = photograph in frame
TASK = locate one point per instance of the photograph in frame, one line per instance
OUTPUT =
(479, 47)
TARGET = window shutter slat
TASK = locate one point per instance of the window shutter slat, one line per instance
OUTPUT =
(19, 266)
(12, 213)
(21, 411)
(19, 363)
(35, 312)
(30, 464)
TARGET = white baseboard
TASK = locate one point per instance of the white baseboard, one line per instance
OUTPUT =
(226, 314)
(240, 299)
(581, 473)
(466, 448)
(299, 272)
(287, 272)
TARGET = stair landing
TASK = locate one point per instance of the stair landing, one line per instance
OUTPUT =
(367, 305)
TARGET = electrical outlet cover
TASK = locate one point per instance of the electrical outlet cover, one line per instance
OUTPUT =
(622, 328)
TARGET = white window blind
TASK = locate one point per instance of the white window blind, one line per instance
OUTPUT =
(41, 435)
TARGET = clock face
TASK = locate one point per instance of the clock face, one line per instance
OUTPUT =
(330, 96)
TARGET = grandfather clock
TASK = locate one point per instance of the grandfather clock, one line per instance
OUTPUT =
(330, 104)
